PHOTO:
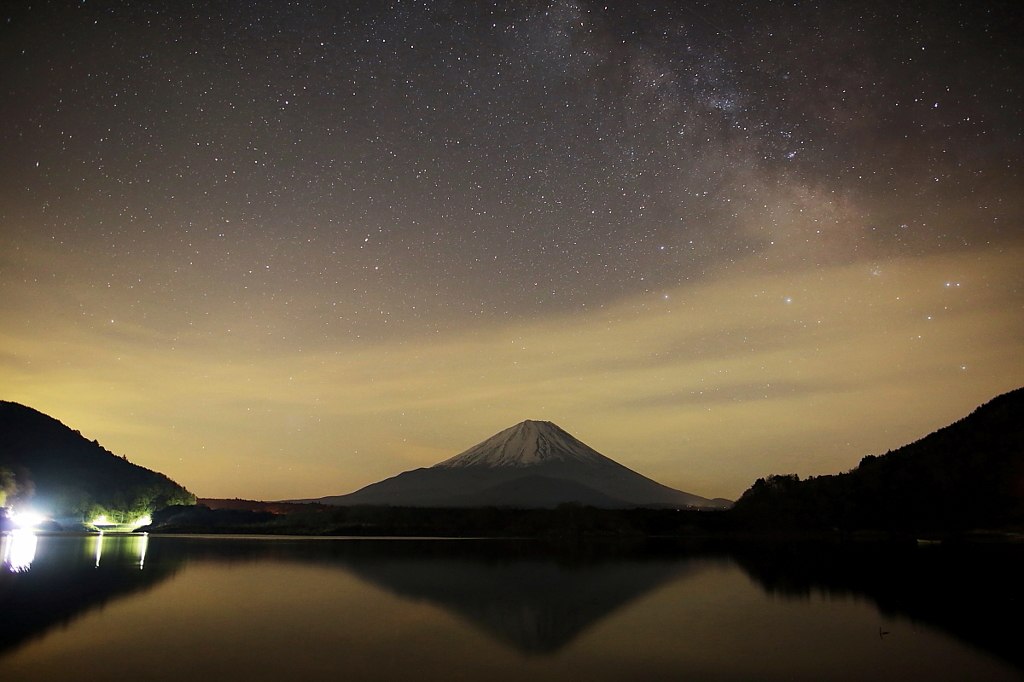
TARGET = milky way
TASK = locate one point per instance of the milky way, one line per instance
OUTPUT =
(283, 249)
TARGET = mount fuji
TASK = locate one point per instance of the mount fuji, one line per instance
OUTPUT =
(534, 464)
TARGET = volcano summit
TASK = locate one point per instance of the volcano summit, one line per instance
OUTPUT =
(532, 464)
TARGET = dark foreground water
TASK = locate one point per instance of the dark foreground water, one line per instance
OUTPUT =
(215, 608)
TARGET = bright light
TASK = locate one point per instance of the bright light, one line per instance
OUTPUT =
(101, 521)
(144, 521)
(27, 520)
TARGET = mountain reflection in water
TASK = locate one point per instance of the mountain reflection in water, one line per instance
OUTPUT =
(534, 597)
(534, 605)
(375, 609)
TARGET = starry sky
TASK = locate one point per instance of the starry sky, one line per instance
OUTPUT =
(286, 249)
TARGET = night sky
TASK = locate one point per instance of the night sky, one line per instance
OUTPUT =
(285, 249)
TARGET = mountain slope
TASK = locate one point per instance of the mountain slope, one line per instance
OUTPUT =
(531, 464)
(54, 468)
(966, 474)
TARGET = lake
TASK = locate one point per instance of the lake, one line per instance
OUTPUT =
(172, 608)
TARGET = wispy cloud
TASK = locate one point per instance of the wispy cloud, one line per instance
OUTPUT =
(705, 387)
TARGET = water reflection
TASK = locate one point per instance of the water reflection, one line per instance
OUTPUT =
(535, 605)
(246, 609)
(18, 550)
(535, 598)
(47, 581)
(124, 547)
(970, 591)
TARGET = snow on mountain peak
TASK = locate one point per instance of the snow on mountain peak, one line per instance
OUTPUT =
(527, 443)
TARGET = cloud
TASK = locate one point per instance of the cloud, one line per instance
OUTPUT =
(705, 387)
(737, 393)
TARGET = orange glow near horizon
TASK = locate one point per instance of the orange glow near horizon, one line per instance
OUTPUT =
(704, 389)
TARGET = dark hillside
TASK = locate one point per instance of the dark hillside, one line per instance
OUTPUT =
(966, 475)
(65, 474)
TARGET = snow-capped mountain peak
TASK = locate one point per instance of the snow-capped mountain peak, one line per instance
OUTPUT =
(527, 443)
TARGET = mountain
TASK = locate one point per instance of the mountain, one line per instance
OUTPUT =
(531, 464)
(965, 475)
(47, 464)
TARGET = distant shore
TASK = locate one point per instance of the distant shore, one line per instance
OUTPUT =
(566, 521)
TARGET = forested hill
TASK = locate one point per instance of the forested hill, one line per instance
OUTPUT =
(969, 474)
(60, 472)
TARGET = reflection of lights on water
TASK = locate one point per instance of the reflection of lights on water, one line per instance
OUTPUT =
(99, 548)
(122, 545)
(19, 550)
(143, 545)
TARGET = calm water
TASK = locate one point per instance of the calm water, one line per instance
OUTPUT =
(180, 608)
